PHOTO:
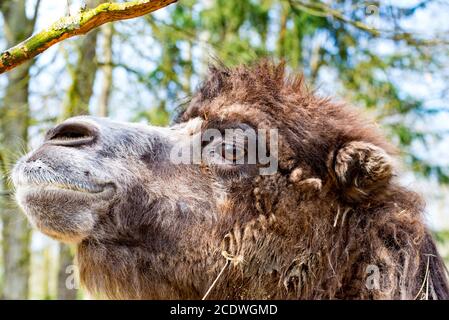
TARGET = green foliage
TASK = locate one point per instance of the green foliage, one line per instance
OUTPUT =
(157, 116)
(442, 238)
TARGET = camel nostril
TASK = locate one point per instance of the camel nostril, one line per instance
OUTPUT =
(72, 134)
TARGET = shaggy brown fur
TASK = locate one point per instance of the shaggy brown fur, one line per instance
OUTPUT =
(334, 199)
(331, 218)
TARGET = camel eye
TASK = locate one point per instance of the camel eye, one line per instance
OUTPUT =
(232, 152)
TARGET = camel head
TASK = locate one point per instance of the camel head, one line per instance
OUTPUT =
(288, 194)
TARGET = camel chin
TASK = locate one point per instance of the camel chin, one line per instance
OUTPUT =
(64, 212)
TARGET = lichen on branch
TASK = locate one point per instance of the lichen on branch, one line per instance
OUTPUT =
(78, 24)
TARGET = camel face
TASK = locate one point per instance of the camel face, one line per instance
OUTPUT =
(90, 170)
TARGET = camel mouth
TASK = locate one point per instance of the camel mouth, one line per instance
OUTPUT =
(28, 179)
(64, 207)
(75, 188)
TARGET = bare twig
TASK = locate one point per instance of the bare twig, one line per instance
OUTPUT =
(106, 87)
(320, 9)
(79, 24)
(35, 13)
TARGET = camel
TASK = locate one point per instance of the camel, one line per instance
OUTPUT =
(331, 221)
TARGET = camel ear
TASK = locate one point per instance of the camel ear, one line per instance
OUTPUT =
(361, 170)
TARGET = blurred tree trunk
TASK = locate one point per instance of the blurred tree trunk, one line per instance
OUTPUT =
(14, 121)
(65, 261)
(83, 76)
(46, 274)
(77, 103)
(281, 42)
(107, 68)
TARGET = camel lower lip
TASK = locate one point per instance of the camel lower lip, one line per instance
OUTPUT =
(39, 177)
(65, 188)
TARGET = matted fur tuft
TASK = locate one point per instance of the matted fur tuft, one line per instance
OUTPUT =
(343, 211)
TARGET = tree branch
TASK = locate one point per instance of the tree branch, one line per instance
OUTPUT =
(79, 24)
